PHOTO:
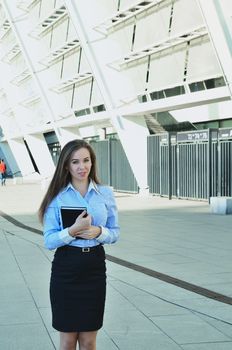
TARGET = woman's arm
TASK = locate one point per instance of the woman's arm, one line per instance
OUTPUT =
(110, 231)
(54, 237)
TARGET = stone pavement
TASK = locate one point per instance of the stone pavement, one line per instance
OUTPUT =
(165, 247)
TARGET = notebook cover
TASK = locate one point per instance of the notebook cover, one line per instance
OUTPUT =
(69, 215)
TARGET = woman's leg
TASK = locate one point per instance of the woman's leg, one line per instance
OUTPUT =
(68, 341)
(87, 340)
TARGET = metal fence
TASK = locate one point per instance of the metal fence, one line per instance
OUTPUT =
(113, 166)
(196, 164)
(102, 151)
(225, 162)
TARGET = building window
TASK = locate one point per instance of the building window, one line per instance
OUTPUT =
(156, 95)
(196, 86)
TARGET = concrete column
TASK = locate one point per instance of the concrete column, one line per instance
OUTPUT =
(20, 153)
(67, 134)
(41, 154)
(133, 136)
(102, 133)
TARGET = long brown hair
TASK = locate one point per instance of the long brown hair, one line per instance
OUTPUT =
(62, 177)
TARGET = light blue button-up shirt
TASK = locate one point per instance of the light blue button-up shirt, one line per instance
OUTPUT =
(100, 203)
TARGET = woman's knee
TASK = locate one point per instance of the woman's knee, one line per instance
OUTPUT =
(68, 341)
(87, 340)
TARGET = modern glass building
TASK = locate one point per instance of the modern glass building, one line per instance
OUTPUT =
(121, 69)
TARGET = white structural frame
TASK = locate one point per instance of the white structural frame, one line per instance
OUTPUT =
(101, 45)
(122, 125)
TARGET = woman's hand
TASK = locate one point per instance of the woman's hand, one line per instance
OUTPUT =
(90, 233)
(81, 224)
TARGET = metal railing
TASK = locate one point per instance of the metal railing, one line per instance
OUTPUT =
(194, 164)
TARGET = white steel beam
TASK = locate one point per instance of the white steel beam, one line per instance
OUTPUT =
(21, 45)
(214, 17)
(193, 99)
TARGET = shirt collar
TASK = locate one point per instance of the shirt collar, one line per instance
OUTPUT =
(92, 186)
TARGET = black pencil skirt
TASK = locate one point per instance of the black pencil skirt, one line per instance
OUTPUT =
(78, 289)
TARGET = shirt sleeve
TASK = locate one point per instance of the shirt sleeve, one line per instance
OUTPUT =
(110, 231)
(54, 236)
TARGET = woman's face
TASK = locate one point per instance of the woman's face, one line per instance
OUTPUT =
(80, 165)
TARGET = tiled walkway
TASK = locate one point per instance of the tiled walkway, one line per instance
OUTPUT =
(177, 238)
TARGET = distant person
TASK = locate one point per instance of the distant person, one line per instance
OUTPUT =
(78, 275)
(3, 172)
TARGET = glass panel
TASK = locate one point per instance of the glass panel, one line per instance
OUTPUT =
(137, 72)
(96, 95)
(215, 82)
(55, 150)
(162, 71)
(177, 90)
(84, 67)
(81, 96)
(81, 112)
(71, 31)
(124, 4)
(186, 16)
(109, 7)
(219, 82)
(226, 123)
(99, 108)
(68, 96)
(196, 86)
(123, 37)
(59, 34)
(152, 28)
(46, 9)
(156, 95)
(71, 65)
(142, 98)
(202, 61)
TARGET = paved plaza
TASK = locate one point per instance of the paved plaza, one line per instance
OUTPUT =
(169, 276)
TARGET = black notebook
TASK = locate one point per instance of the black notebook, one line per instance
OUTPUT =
(69, 215)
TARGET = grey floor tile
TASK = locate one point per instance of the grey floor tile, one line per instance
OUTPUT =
(197, 254)
(147, 303)
(41, 295)
(104, 341)
(209, 346)
(18, 294)
(19, 312)
(224, 327)
(189, 329)
(55, 336)
(129, 321)
(25, 337)
(203, 304)
(11, 278)
(143, 341)
(46, 315)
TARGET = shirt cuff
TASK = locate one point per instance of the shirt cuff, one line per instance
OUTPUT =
(104, 234)
(65, 236)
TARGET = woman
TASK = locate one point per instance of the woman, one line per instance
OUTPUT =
(78, 276)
